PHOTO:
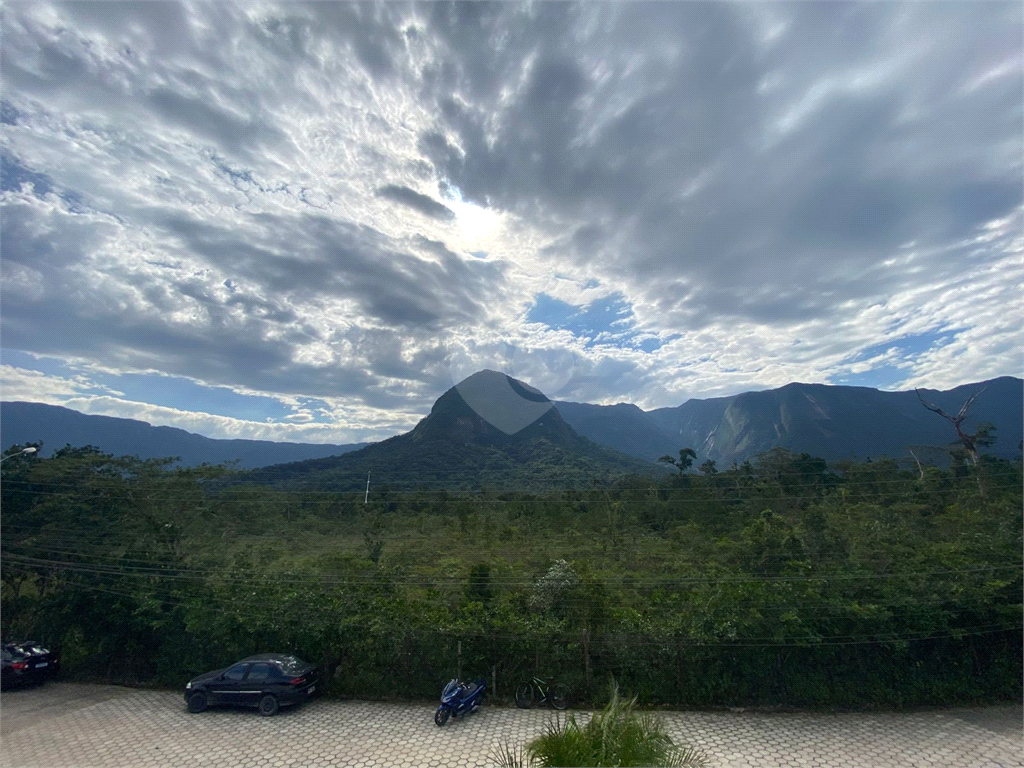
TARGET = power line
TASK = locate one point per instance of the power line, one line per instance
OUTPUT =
(353, 498)
(618, 483)
(634, 641)
(161, 570)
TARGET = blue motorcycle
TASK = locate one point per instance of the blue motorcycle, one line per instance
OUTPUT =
(458, 699)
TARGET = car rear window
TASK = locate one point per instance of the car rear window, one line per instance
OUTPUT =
(292, 665)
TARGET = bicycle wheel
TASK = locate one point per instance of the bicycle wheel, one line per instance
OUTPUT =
(559, 696)
(524, 696)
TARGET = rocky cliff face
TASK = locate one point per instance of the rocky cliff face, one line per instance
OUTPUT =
(825, 421)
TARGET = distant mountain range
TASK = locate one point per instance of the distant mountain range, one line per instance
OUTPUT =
(524, 439)
(57, 427)
(826, 421)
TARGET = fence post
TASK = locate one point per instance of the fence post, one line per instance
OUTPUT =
(458, 673)
(494, 681)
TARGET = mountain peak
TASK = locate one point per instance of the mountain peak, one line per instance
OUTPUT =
(492, 407)
(497, 384)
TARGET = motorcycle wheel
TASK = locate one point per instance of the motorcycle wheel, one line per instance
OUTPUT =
(441, 716)
(524, 696)
(559, 697)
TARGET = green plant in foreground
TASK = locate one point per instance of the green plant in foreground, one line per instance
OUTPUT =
(615, 736)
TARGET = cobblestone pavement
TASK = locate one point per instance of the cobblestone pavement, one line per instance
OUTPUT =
(62, 725)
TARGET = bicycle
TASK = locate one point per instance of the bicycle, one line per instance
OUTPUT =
(541, 691)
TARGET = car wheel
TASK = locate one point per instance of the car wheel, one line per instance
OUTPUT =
(197, 703)
(268, 705)
(441, 716)
(524, 696)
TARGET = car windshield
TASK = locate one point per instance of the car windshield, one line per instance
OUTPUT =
(292, 665)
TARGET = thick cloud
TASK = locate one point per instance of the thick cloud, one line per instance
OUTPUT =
(425, 204)
(334, 200)
(725, 158)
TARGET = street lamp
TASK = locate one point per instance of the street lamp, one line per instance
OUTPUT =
(23, 451)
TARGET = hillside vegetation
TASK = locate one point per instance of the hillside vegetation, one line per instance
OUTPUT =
(782, 581)
(457, 449)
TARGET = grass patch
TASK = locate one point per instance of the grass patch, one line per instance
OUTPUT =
(618, 735)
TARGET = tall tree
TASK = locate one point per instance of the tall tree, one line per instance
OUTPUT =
(685, 460)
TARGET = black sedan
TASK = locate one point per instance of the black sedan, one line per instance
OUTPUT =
(25, 662)
(266, 681)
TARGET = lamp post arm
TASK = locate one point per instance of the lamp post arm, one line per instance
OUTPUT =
(22, 452)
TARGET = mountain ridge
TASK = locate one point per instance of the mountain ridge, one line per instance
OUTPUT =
(829, 421)
(56, 426)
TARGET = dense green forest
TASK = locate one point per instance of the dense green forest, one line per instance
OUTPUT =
(781, 581)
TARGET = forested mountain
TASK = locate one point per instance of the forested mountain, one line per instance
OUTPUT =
(56, 427)
(456, 447)
(826, 421)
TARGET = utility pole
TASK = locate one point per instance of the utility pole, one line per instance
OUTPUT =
(366, 498)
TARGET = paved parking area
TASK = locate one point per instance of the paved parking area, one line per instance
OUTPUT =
(61, 725)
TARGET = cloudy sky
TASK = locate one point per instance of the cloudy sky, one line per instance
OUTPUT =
(305, 222)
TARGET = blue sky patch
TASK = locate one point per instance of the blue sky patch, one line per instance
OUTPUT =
(165, 391)
(914, 344)
(888, 374)
(649, 344)
(175, 392)
(883, 377)
(605, 321)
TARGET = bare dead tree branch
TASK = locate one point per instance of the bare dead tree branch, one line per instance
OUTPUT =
(963, 411)
(968, 441)
(932, 406)
(920, 469)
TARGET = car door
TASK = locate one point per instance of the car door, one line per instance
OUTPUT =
(227, 689)
(256, 682)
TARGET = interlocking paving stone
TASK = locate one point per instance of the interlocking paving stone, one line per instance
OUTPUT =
(62, 725)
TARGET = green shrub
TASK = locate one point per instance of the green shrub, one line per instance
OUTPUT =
(615, 736)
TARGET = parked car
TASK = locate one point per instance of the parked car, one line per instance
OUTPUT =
(267, 681)
(25, 662)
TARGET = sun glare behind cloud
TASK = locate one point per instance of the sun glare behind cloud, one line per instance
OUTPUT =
(478, 226)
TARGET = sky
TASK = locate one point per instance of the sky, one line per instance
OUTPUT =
(306, 222)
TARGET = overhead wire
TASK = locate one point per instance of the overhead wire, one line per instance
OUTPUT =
(619, 484)
(157, 568)
(633, 640)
